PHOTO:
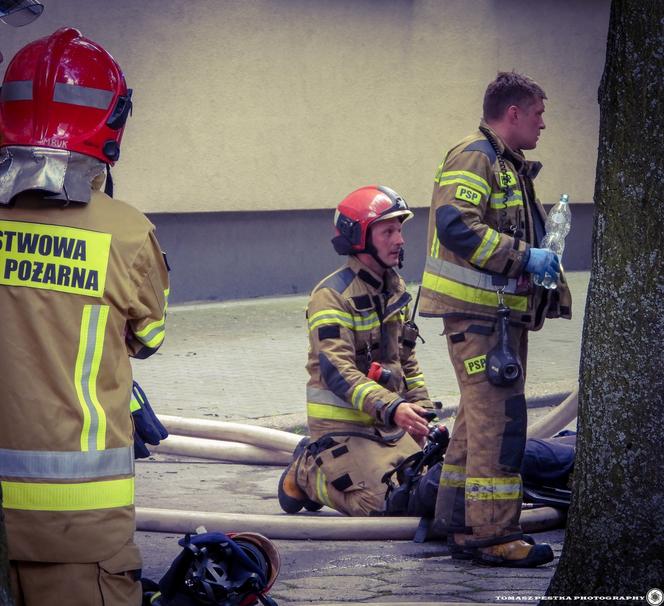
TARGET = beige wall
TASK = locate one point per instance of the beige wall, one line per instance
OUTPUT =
(291, 104)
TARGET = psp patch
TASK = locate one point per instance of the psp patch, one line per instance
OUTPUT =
(475, 365)
(468, 194)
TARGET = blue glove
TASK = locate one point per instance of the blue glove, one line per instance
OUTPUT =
(543, 261)
(147, 427)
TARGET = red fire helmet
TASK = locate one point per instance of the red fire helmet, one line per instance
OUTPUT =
(359, 210)
(65, 92)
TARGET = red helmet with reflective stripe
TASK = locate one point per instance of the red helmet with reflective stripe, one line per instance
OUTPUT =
(359, 210)
(65, 92)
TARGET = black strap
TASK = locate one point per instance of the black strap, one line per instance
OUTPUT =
(365, 276)
(422, 530)
(108, 188)
(327, 441)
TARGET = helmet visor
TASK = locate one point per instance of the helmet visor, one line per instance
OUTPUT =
(399, 207)
(403, 214)
(20, 12)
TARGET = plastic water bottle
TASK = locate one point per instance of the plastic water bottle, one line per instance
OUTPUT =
(558, 224)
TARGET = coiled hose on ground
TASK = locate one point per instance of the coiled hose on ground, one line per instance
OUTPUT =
(241, 443)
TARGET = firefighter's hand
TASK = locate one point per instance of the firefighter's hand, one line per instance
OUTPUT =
(542, 261)
(408, 416)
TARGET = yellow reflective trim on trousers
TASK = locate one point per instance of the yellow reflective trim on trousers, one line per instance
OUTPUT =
(468, 294)
(86, 370)
(454, 468)
(335, 413)
(452, 476)
(29, 496)
(464, 177)
(484, 251)
(321, 489)
(360, 393)
(493, 489)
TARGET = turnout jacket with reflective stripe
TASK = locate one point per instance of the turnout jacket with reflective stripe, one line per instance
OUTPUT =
(82, 288)
(479, 235)
(355, 317)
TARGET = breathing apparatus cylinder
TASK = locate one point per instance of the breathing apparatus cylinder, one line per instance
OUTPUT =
(503, 366)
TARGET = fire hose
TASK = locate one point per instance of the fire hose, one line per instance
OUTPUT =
(321, 527)
(242, 443)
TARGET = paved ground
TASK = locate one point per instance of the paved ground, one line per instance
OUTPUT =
(244, 361)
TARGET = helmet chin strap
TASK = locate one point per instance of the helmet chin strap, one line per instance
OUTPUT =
(371, 249)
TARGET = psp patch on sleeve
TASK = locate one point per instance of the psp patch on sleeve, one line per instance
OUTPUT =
(468, 194)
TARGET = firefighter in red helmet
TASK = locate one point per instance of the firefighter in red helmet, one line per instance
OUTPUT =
(83, 286)
(366, 395)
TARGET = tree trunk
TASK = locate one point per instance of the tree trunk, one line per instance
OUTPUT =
(614, 545)
(5, 594)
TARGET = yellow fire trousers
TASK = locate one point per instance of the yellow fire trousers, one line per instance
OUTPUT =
(346, 476)
(480, 490)
(113, 582)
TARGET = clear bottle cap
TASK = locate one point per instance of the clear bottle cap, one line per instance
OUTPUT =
(564, 198)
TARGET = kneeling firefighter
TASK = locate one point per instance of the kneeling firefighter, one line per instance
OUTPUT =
(366, 397)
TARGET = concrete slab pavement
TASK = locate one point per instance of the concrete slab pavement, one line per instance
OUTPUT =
(244, 361)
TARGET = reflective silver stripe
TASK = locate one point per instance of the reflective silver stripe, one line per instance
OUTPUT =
(465, 275)
(95, 316)
(488, 489)
(148, 339)
(66, 465)
(325, 396)
(487, 247)
(82, 95)
(87, 366)
(19, 90)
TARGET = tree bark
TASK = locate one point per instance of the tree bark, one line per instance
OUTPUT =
(5, 592)
(614, 544)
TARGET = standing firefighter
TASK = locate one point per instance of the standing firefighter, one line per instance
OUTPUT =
(485, 226)
(361, 427)
(83, 286)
